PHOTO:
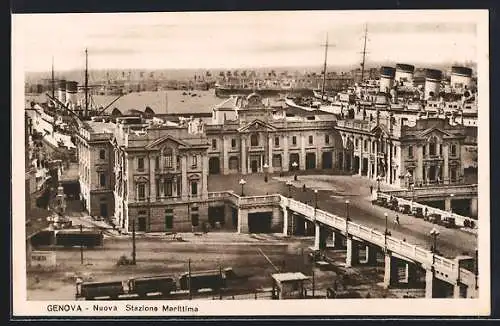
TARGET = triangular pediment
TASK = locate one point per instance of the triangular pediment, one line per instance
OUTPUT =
(166, 141)
(433, 132)
(379, 131)
(257, 125)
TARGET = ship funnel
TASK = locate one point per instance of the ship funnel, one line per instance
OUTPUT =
(432, 83)
(404, 73)
(71, 93)
(386, 79)
(61, 96)
(461, 78)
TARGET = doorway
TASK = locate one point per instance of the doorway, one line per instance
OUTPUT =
(142, 224)
(326, 160)
(214, 165)
(254, 166)
(104, 210)
(310, 161)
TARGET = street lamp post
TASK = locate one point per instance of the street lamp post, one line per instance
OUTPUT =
(315, 198)
(347, 218)
(242, 184)
(408, 176)
(434, 233)
(451, 207)
(289, 184)
(378, 183)
(385, 232)
(294, 167)
(266, 167)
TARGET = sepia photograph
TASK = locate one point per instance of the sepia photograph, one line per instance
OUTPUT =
(245, 163)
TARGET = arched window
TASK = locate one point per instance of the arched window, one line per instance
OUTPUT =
(254, 140)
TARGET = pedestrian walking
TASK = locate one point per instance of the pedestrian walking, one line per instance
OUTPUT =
(396, 220)
(371, 189)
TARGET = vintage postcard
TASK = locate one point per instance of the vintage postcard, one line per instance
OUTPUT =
(245, 163)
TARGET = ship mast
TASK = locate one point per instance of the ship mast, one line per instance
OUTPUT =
(86, 83)
(364, 56)
(324, 67)
(53, 80)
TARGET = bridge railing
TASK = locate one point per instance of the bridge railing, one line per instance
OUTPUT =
(459, 219)
(412, 252)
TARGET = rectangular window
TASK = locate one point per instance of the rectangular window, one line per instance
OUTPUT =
(294, 140)
(311, 140)
(276, 141)
(102, 154)
(179, 187)
(410, 151)
(141, 191)
(214, 143)
(102, 179)
(327, 139)
(453, 150)
(178, 162)
(440, 149)
(365, 145)
(357, 143)
(233, 143)
(140, 163)
(194, 188)
(424, 149)
(168, 188)
(194, 161)
(277, 160)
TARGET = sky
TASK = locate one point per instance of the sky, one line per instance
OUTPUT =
(241, 39)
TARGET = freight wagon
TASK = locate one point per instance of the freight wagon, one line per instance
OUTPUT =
(212, 279)
(86, 238)
(153, 284)
(93, 290)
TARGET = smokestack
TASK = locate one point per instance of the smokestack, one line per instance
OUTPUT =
(404, 73)
(61, 96)
(71, 92)
(432, 83)
(461, 78)
(386, 78)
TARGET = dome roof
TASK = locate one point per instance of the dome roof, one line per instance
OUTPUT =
(116, 112)
(149, 111)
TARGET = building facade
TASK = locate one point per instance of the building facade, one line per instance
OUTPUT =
(248, 136)
(428, 152)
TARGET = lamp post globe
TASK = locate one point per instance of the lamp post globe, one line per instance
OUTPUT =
(242, 184)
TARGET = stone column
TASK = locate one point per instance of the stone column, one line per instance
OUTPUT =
(446, 175)
(447, 204)
(204, 181)
(285, 220)
(456, 290)
(243, 155)
(473, 207)
(388, 270)
(317, 235)
(228, 216)
(352, 256)
(420, 163)
(360, 165)
(427, 172)
(286, 157)
(184, 181)
(270, 154)
(242, 221)
(429, 283)
(302, 152)
(225, 155)
(152, 179)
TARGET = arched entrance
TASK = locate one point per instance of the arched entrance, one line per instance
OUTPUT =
(365, 166)
(310, 161)
(356, 164)
(326, 160)
(294, 157)
(213, 165)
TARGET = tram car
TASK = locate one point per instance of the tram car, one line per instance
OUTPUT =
(86, 238)
(94, 290)
(153, 284)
